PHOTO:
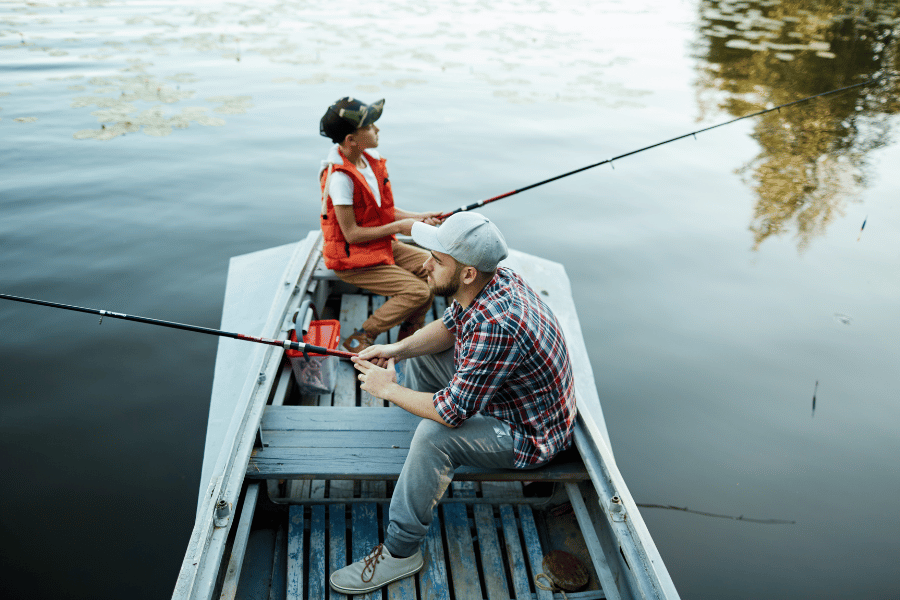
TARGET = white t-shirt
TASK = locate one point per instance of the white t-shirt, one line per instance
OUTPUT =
(340, 186)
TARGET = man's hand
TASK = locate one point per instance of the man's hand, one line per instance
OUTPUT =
(379, 354)
(381, 382)
(373, 378)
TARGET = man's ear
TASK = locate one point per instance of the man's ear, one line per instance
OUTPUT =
(470, 274)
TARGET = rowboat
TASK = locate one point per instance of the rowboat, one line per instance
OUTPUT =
(296, 485)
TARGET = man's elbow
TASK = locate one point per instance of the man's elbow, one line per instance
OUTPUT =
(440, 419)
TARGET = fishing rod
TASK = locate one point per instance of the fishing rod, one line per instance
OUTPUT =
(286, 344)
(693, 133)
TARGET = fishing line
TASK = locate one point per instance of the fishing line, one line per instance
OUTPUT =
(692, 133)
(709, 514)
(286, 344)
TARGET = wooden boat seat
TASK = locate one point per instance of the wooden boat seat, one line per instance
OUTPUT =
(364, 443)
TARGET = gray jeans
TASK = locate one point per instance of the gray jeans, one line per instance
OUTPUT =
(435, 453)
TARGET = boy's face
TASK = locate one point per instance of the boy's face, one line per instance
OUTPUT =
(366, 137)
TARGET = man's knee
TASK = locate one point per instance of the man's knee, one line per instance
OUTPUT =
(428, 429)
(429, 437)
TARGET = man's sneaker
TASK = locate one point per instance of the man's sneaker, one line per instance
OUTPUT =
(358, 341)
(377, 569)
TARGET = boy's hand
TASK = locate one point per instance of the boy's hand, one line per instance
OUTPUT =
(432, 218)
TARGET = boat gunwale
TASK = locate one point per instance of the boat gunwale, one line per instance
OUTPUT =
(203, 558)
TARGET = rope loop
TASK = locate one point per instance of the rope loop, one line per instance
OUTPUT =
(551, 588)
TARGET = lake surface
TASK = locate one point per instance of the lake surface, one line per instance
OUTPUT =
(742, 323)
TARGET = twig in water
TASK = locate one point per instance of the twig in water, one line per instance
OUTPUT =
(816, 389)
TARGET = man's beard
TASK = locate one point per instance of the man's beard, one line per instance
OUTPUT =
(446, 291)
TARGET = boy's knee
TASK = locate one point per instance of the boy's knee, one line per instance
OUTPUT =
(421, 293)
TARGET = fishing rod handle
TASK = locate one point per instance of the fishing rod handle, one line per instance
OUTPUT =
(309, 348)
(460, 209)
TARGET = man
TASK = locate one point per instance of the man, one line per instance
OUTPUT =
(359, 222)
(506, 400)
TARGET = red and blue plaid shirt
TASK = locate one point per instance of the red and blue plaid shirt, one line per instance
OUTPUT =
(512, 364)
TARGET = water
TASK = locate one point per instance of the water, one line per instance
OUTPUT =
(720, 282)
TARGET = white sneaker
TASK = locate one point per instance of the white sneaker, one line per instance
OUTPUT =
(379, 568)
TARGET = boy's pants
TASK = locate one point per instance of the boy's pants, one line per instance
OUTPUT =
(404, 283)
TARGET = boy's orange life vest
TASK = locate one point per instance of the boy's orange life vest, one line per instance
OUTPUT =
(341, 255)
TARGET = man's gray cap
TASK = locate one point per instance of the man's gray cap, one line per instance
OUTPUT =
(471, 238)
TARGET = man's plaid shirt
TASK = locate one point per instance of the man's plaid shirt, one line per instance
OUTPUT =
(512, 364)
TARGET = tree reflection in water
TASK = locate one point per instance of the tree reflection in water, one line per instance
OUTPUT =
(814, 157)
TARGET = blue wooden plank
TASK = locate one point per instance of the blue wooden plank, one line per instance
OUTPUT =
(337, 547)
(364, 519)
(533, 547)
(278, 581)
(318, 527)
(405, 589)
(515, 556)
(341, 457)
(461, 552)
(433, 577)
(463, 489)
(493, 573)
(295, 554)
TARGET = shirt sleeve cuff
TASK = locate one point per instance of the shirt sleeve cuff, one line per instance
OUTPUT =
(444, 407)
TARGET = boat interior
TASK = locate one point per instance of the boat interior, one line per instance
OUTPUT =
(488, 539)
(312, 493)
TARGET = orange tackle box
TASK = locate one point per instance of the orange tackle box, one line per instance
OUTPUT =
(318, 374)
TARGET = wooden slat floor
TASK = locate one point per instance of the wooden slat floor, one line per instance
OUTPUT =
(478, 550)
(474, 550)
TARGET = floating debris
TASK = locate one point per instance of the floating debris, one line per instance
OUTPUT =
(232, 105)
(843, 319)
(184, 78)
(25, 119)
(153, 122)
(100, 101)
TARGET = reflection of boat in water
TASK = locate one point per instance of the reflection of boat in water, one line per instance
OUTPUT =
(296, 486)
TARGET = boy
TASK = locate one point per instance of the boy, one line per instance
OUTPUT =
(359, 222)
